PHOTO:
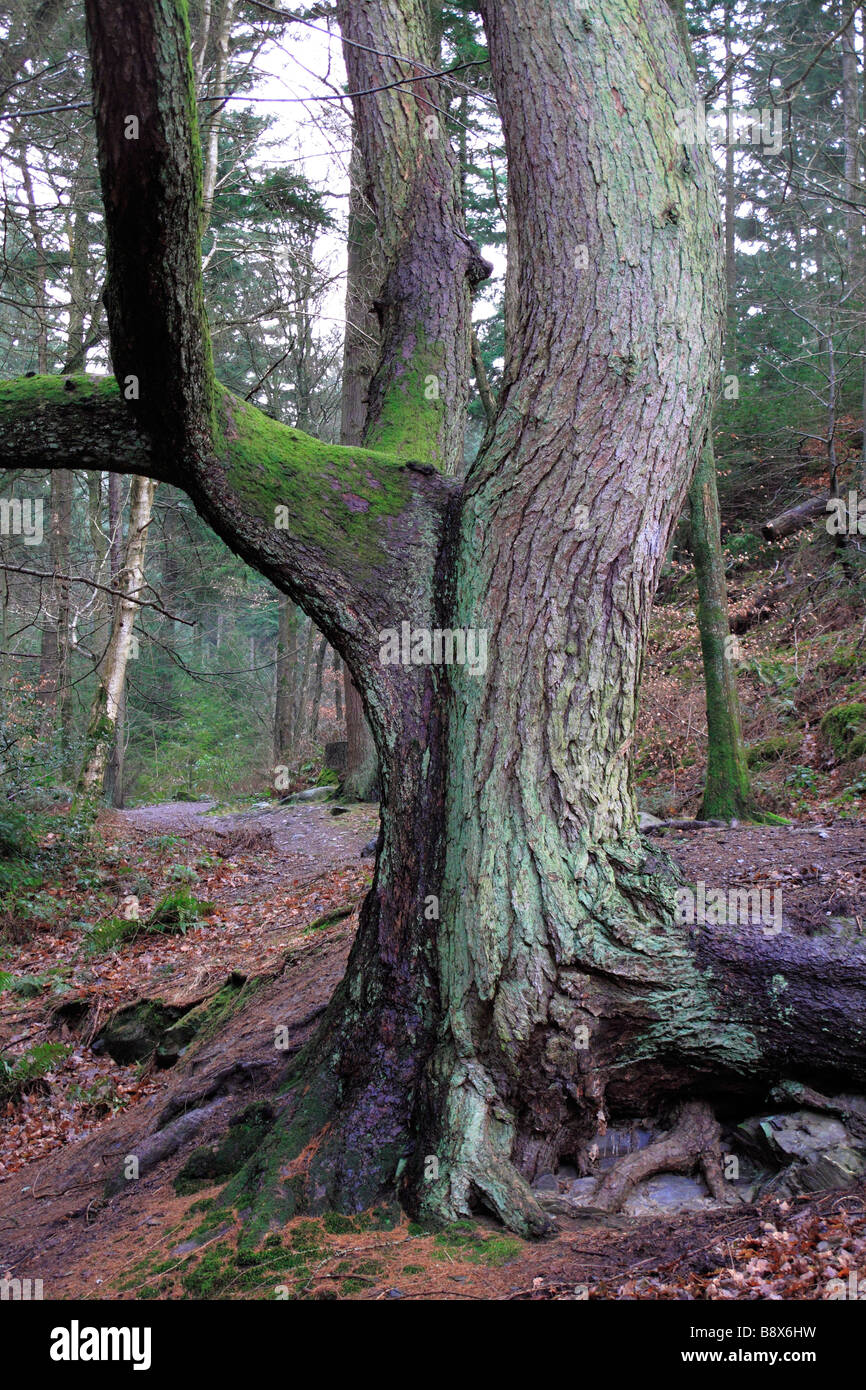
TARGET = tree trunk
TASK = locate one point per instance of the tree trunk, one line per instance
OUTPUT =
(726, 791)
(362, 770)
(360, 353)
(519, 976)
(316, 696)
(303, 672)
(338, 687)
(287, 660)
(104, 711)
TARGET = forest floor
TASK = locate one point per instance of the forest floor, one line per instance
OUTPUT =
(271, 883)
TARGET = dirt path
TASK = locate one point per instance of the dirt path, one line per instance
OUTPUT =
(272, 875)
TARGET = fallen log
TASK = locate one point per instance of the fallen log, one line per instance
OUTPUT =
(786, 523)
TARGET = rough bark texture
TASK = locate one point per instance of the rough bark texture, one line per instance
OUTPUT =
(518, 976)
(364, 272)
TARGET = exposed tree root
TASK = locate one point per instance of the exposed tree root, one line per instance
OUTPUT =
(693, 1140)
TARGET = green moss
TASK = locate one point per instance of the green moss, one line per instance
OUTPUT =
(23, 395)
(328, 919)
(210, 1164)
(325, 488)
(336, 1224)
(843, 727)
(774, 749)
(463, 1236)
(410, 419)
(203, 1021)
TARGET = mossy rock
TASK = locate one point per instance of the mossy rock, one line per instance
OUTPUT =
(773, 749)
(202, 1019)
(219, 1161)
(844, 728)
(133, 1032)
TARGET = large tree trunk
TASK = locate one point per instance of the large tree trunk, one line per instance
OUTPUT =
(519, 976)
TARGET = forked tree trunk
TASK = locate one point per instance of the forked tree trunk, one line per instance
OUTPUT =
(519, 976)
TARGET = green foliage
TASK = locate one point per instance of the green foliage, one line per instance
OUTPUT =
(844, 728)
(175, 913)
(16, 833)
(802, 778)
(25, 986)
(773, 749)
(19, 1075)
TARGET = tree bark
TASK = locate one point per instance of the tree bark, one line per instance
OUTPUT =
(360, 352)
(519, 976)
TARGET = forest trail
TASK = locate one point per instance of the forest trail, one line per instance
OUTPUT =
(283, 884)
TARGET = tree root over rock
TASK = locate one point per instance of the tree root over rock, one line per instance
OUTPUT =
(694, 1140)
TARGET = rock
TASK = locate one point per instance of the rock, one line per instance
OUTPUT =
(811, 1151)
(583, 1190)
(645, 821)
(546, 1182)
(369, 850)
(133, 1032)
(802, 1134)
(314, 794)
(668, 1192)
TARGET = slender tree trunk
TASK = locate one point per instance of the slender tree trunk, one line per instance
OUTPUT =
(316, 698)
(727, 794)
(102, 724)
(338, 687)
(303, 672)
(287, 656)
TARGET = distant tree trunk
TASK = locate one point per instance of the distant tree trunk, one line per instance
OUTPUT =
(287, 660)
(303, 672)
(730, 208)
(316, 695)
(114, 788)
(726, 792)
(338, 687)
(102, 725)
(56, 635)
